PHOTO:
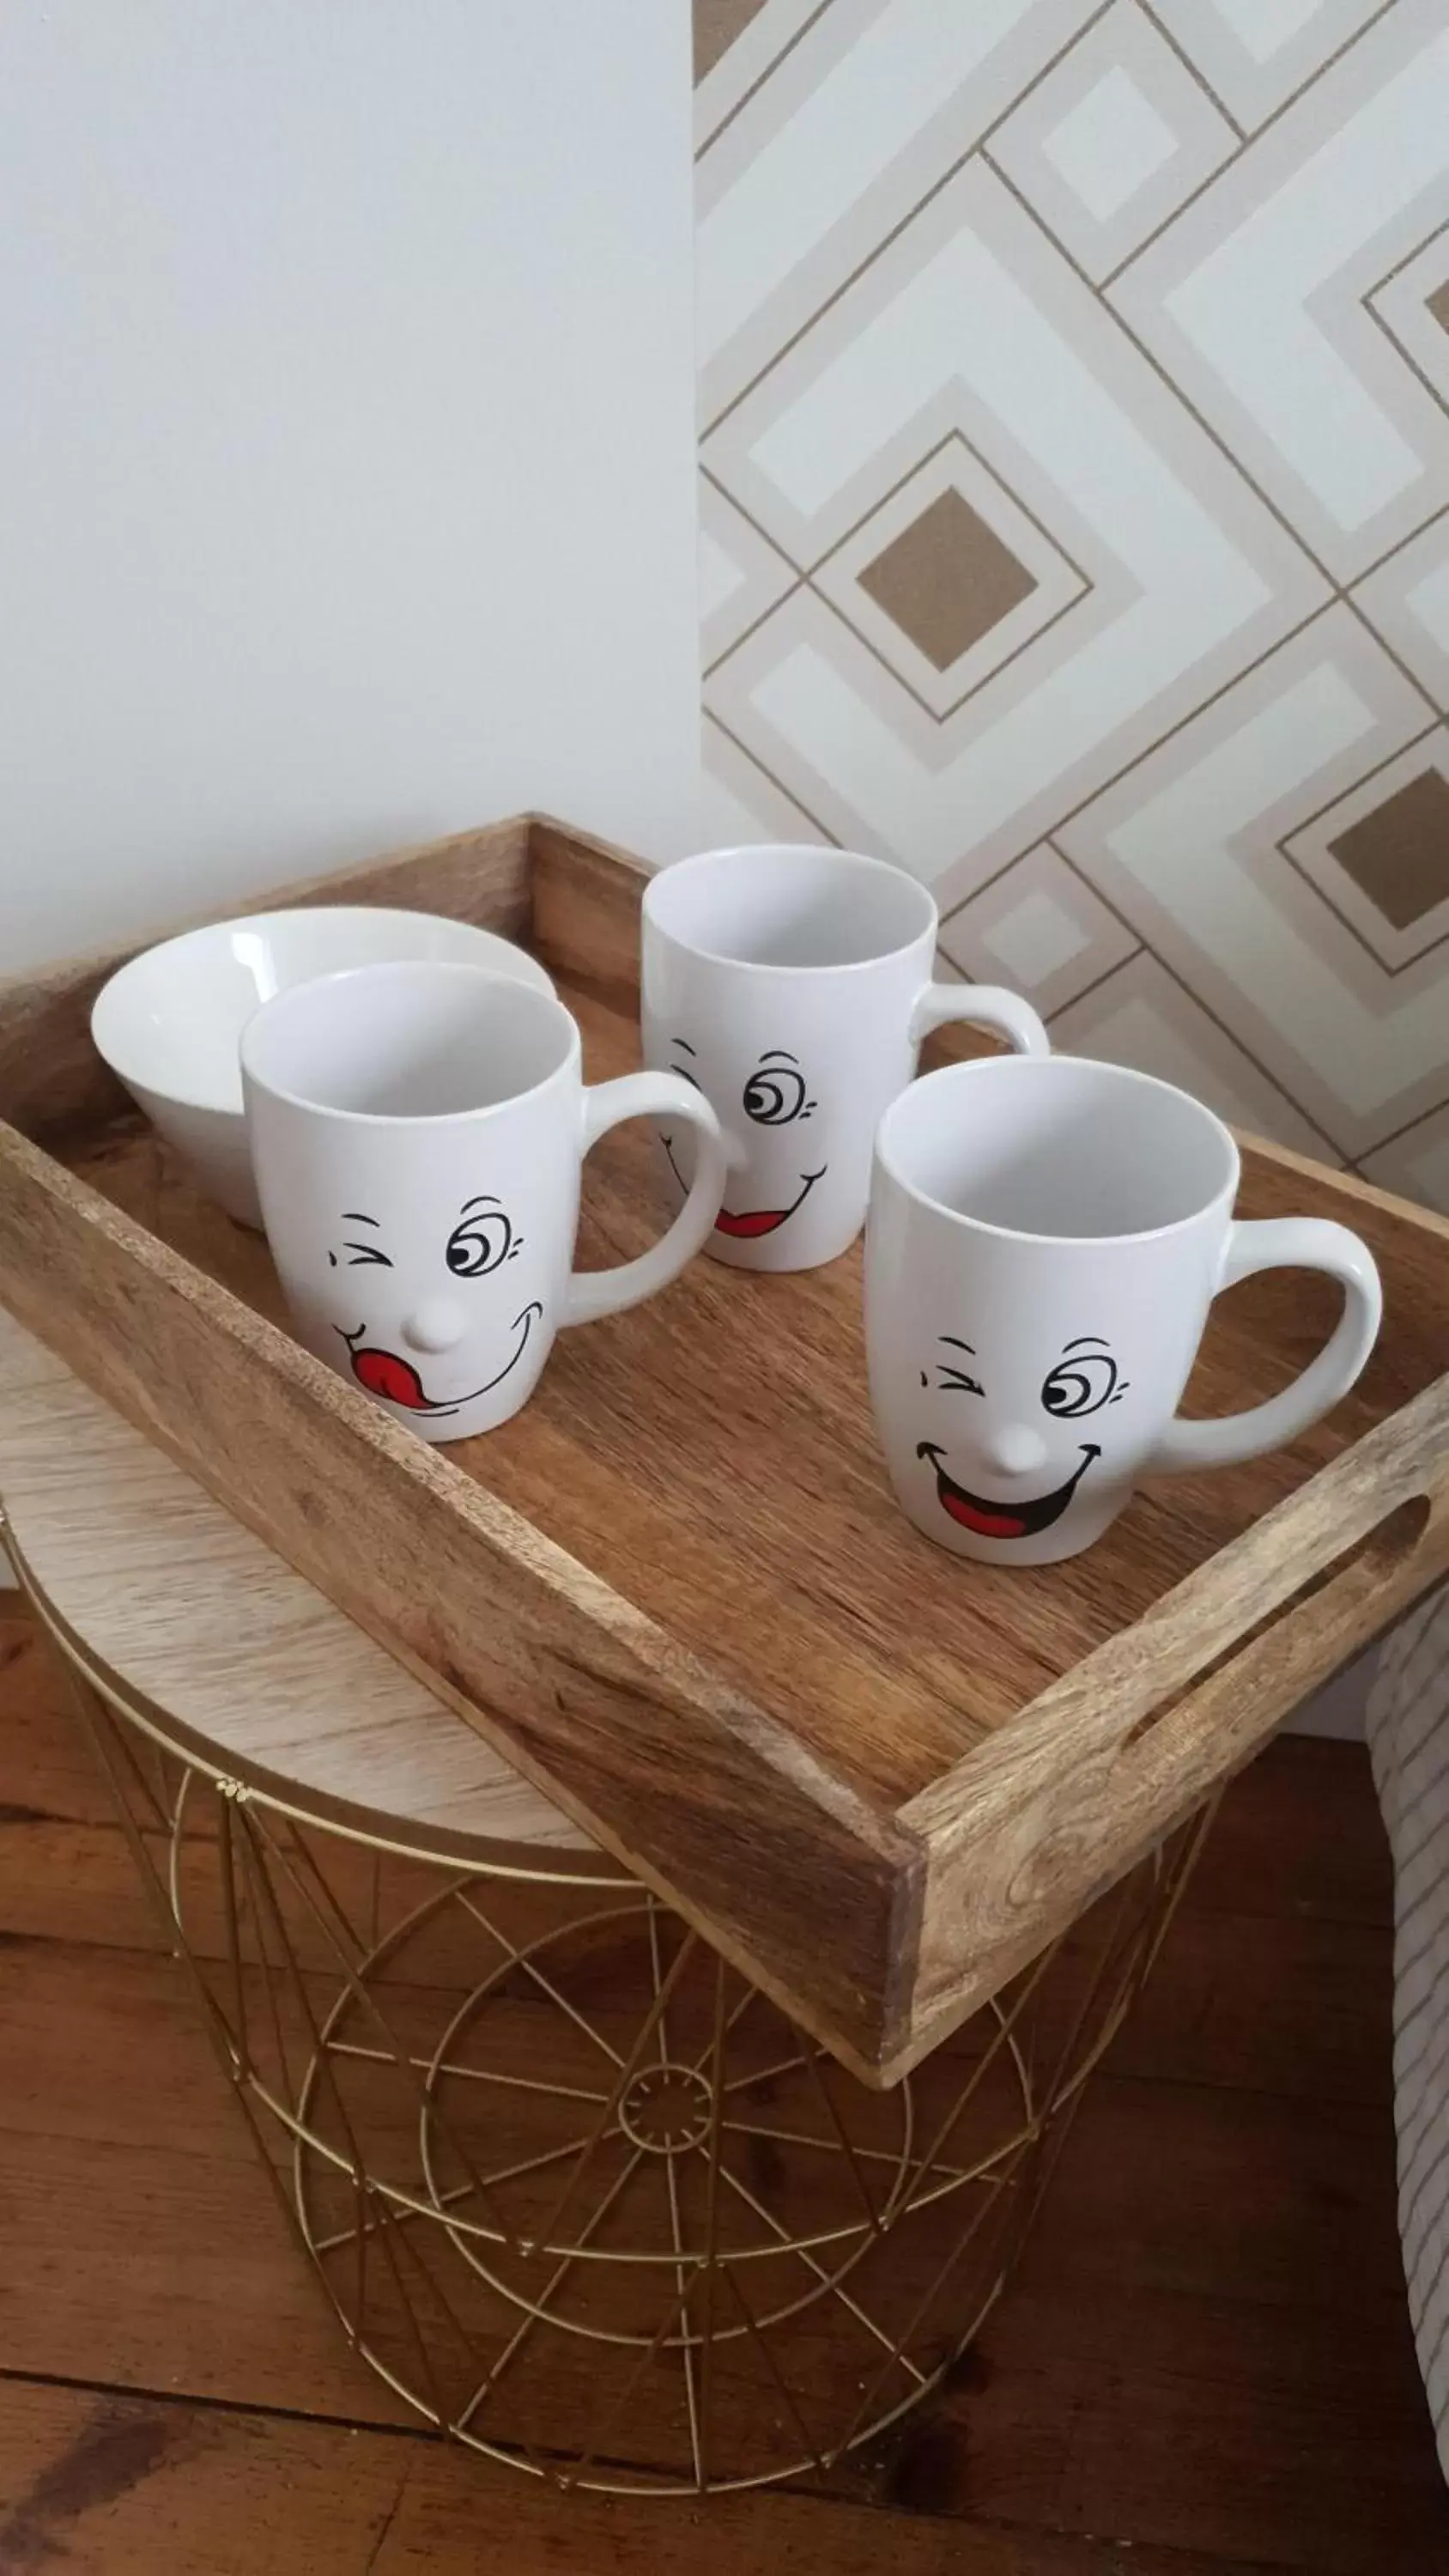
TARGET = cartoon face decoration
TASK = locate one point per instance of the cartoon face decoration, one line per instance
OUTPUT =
(1025, 1450)
(769, 1114)
(452, 1300)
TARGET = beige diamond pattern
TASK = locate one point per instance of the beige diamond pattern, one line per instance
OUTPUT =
(947, 580)
(1075, 435)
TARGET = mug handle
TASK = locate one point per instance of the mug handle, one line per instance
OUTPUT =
(643, 1095)
(987, 1006)
(1285, 1243)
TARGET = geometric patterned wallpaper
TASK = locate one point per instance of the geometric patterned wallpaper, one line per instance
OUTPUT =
(1074, 403)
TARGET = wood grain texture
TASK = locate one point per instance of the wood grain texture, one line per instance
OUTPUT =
(1167, 1709)
(51, 1079)
(676, 1770)
(1208, 2349)
(171, 1602)
(677, 1592)
(1197, 2198)
(124, 2486)
(585, 913)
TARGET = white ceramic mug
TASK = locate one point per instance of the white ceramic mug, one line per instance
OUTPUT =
(793, 986)
(417, 1133)
(1045, 1243)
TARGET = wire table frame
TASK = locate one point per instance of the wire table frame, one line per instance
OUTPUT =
(579, 2193)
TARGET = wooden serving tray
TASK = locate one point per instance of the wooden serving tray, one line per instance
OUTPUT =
(675, 1590)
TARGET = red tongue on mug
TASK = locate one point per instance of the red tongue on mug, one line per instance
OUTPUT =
(985, 1524)
(383, 1373)
(758, 1221)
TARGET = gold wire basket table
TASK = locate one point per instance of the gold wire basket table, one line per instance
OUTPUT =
(579, 2192)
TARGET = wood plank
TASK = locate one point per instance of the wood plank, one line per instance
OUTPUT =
(51, 1079)
(1265, 2198)
(1265, 2040)
(45, 1763)
(111, 2063)
(176, 2273)
(1187, 2425)
(1295, 2007)
(1221, 2009)
(123, 2486)
(62, 1882)
(156, 1583)
(90, 2099)
(1296, 2435)
(170, 2269)
(1300, 1834)
(93, 2034)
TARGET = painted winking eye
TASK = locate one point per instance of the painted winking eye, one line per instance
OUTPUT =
(776, 1092)
(481, 1242)
(1082, 1382)
(359, 1254)
(952, 1377)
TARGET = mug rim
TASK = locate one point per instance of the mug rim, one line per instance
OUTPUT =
(1097, 1069)
(454, 969)
(857, 860)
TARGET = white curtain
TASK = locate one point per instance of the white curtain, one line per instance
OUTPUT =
(1408, 1730)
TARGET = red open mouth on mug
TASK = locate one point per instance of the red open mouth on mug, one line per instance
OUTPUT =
(383, 1373)
(749, 1224)
(1003, 1520)
(388, 1374)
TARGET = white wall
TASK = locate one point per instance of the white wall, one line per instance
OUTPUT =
(346, 439)
(1338, 1709)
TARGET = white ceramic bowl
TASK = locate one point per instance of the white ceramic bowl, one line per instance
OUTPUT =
(169, 1022)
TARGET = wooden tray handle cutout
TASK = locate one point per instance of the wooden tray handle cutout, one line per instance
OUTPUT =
(1329, 1617)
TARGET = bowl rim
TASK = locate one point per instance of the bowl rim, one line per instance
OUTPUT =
(135, 971)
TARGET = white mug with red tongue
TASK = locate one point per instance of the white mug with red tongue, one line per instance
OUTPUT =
(792, 986)
(1045, 1243)
(417, 1132)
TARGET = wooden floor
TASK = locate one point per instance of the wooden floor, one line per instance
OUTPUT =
(1204, 2365)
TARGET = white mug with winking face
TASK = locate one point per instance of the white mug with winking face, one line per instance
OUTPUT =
(792, 986)
(1045, 1243)
(417, 1132)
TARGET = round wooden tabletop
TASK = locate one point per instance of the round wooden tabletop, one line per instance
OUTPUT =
(200, 1629)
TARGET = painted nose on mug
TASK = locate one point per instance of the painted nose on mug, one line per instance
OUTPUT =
(437, 1324)
(1015, 1449)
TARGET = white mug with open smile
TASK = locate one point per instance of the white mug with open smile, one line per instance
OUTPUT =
(417, 1132)
(792, 986)
(1045, 1243)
